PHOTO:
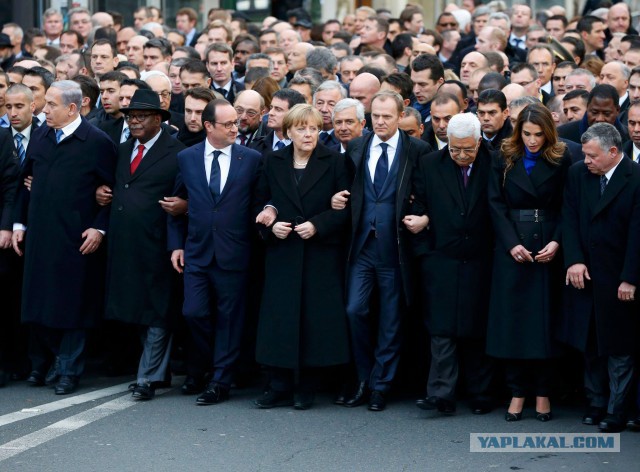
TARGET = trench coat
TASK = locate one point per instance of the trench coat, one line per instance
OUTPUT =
(302, 319)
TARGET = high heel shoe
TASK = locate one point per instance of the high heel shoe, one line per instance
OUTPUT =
(544, 417)
(508, 416)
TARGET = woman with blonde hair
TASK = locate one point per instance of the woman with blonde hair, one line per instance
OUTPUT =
(525, 198)
(303, 324)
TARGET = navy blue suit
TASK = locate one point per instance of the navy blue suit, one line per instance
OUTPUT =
(217, 247)
(379, 255)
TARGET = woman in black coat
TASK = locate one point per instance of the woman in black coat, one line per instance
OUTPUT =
(525, 198)
(302, 323)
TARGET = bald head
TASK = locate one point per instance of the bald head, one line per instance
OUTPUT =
(513, 91)
(363, 88)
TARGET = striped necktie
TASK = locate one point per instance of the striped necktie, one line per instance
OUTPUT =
(19, 147)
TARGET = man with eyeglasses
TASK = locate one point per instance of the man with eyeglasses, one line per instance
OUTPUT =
(80, 21)
(161, 84)
(139, 282)
(446, 21)
(526, 76)
(249, 105)
(541, 57)
(212, 248)
(455, 254)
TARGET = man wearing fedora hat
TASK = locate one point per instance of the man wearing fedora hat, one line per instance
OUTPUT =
(7, 58)
(140, 282)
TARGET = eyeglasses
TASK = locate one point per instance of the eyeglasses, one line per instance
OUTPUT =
(444, 25)
(466, 151)
(164, 94)
(228, 124)
(250, 113)
(140, 117)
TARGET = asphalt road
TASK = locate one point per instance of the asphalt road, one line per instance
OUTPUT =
(100, 428)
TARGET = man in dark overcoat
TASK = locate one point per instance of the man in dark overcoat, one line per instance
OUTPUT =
(63, 273)
(600, 234)
(456, 252)
(139, 273)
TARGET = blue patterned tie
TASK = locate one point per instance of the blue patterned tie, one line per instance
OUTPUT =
(382, 169)
(214, 177)
(603, 183)
(19, 147)
(279, 145)
(59, 135)
(126, 134)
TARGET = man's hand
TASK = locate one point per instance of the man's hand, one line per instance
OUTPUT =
(5, 239)
(576, 275)
(281, 229)
(547, 253)
(104, 195)
(177, 260)
(16, 241)
(305, 230)
(27, 182)
(175, 206)
(92, 239)
(415, 224)
(267, 216)
(339, 200)
(626, 292)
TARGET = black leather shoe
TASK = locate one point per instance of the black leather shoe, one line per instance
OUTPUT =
(510, 417)
(593, 416)
(193, 385)
(360, 397)
(428, 403)
(143, 392)
(377, 401)
(66, 385)
(612, 424)
(634, 424)
(341, 397)
(214, 394)
(273, 399)
(52, 376)
(544, 417)
(303, 400)
(36, 379)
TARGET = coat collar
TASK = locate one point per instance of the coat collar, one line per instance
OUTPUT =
(614, 187)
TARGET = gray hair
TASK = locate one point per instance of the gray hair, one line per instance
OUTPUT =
(500, 16)
(481, 11)
(592, 78)
(322, 59)
(464, 125)
(179, 62)
(49, 12)
(155, 73)
(626, 72)
(410, 112)
(77, 10)
(71, 92)
(261, 55)
(15, 89)
(347, 103)
(330, 85)
(606, 135)
(522, 102)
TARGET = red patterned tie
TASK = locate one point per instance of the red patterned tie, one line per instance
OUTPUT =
(136, 160)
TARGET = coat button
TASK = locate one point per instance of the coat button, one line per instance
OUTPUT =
(126, 185)
(535, 235)
(462, 213)
(120, 208)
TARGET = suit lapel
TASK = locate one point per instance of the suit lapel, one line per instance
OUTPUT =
(542, 172)
(614, 187)
(520, 178)
(284, 174)
(234, 168)
(315, 169)
(402, 153)
(449, 171)
(154, 155)
(478, 178)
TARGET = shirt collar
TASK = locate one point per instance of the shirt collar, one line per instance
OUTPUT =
(25, 132)
(609, 174)
(72, 127)
(440, 143)
(149, 144)
(4, 121)
(208, 148)
(623, 98)
(392, 141)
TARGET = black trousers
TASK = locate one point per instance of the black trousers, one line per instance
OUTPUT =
(305, 379)
(530, 376)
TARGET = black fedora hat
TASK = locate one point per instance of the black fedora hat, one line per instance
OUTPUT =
(146, 100)
(5, 41)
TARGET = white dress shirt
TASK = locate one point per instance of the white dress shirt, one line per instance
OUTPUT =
(71, 128)
(375, 151)
(224, 160)
(623, 98)
(148, 145)
(276, 139)
(26, 133)
(636, 153)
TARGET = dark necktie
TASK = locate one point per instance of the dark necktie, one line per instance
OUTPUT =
(243, 139)
(221, 91)
(465, 175)
(324, 136)
(59, 135)
(19, 147)
(382, 169)
(214, 177)
(517, 42)
(279, 145)
(136, 160)
(603, 183)
(36, 121)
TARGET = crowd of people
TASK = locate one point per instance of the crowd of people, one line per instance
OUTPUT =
(297, 194)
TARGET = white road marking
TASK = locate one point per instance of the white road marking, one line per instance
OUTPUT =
(60, 404)
(67, 425)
